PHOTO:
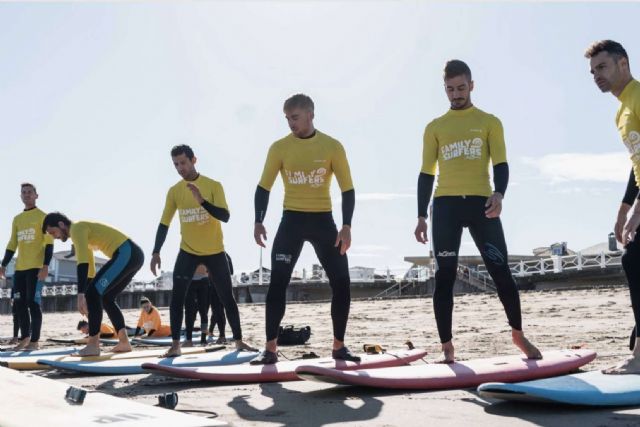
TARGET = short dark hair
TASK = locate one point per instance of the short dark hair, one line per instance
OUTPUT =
(299, 100)
(455, 68)
(82, 324)
(52, 219)
(182, 149)
(613, 48)
(28, 184)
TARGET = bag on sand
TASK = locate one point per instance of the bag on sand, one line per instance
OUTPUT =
(290, 335)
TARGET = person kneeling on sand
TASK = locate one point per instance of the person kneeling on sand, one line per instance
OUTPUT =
(106, 330)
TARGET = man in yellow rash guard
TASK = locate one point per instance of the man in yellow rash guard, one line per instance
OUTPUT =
(609, 65)
(201, 206)
(461, 143)
(35, 250)
(306, 159)
(126, 258)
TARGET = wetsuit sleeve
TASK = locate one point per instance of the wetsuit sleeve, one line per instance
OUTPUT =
(161, 236)
(429, 151)
(48, 254)
(497, 147)
(633, 192)
(230, 263)
(83, 277)
(170, 208)
(260, 203)
(8, 255)
(425, 189)
(340, 167)
(348, 206)
(501, 177)
(219, 208)
(272, 166)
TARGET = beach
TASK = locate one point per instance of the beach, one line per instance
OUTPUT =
(597, 318)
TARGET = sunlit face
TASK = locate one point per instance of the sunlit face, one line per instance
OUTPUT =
(607, 71)
(458, 90)
(61, 232)
(300, 122)
(28, 195)
(146, 307)
(186, 167)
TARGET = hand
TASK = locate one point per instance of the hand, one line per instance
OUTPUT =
(260, 234)
(196, 192)
(82, 305)
(630, 228)
(621, 221)
(421, 230)
(3, 270)
(344, 236)
(494, 205)
(43, 273)
(155, 263)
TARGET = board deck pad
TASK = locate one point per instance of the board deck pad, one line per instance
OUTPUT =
(283, 371)
(587, 389)
(134, 366)
(31, 362)
(456, 375)
(42, 403)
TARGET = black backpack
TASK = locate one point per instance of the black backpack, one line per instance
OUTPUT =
(290, 335)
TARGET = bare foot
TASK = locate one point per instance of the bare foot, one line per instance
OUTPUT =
(221, 340)
(174, 351)
(241, 345)
(33, 346)
(13, 341)
(122, 347)
(525, 345)
(626, 367)
(448, 353)
(23, 343)
(187, 343)
(89, 350)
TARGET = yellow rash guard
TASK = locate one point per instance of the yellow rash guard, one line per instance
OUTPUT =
(89, 236)
(306, 167)
(628, 122)
(461, 143)
(28, 239)
(201, 232)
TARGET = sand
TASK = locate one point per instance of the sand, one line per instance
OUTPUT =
(600, 319)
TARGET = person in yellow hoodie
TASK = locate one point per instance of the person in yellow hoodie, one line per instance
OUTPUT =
(150, 320)
(35, 250)
(126, 258)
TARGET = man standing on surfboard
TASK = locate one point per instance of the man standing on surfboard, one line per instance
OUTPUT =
(35, 250)
(201, 206)
(609, 65)
(461, 143)
(306, 159)
(126, 258)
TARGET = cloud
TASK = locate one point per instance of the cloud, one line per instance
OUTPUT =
(564, 167)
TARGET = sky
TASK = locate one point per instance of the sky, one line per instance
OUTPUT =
(93, 97)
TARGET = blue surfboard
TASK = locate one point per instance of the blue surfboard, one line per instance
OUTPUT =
(588, 389)
(42, 352)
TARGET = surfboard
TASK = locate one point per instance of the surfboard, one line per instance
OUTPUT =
(455, 375)
(166, 341)
(82, 340)
(42, 402)
(587, 389)
(31, 362)
(134, 366)
(283, 371)
(43, 352)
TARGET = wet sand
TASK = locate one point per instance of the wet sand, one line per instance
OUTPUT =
(600, 319)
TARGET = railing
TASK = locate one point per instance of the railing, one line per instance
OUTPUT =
(476, 278)
(559, 264)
